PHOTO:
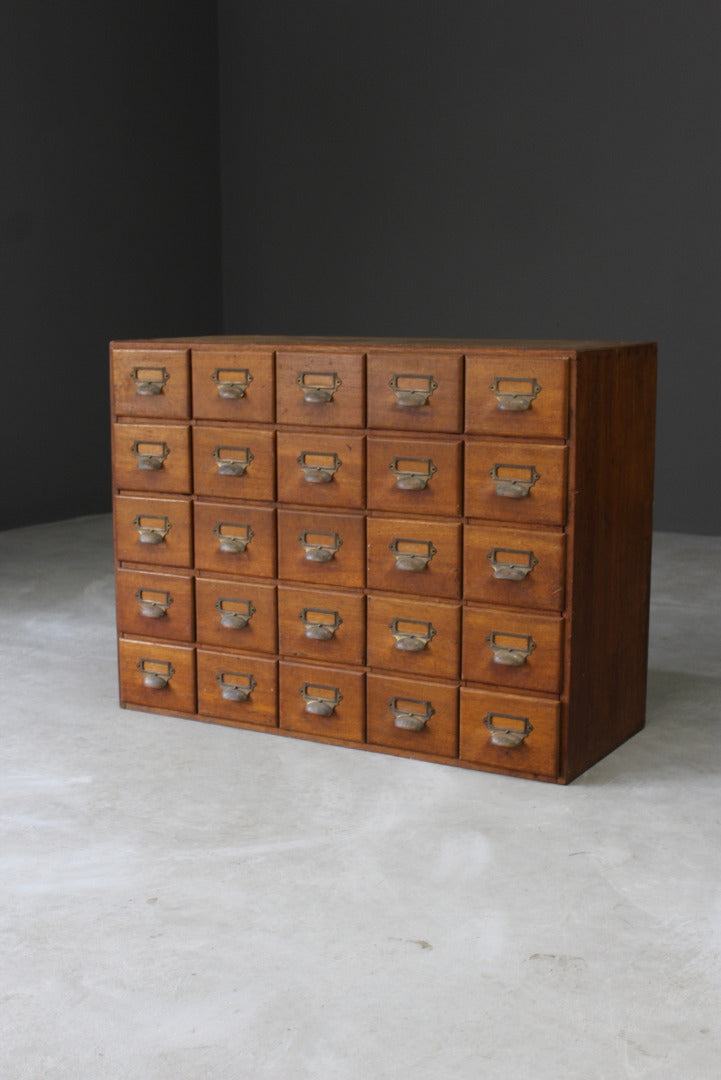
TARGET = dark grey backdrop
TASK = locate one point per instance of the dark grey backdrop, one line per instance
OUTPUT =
(357, 166)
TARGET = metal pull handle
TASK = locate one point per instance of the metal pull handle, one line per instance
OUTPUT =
(319, 546)
(150, 380)
(502, 734)
(406, 716)
(232, 460)
(412, 474)
(151, 529)
(318, 468)
(153, 603)
(234, 614)
(318, 387)
(410, 635)
(515, 395)
(508, 568)
(233, 538)
(236, 685)
(156, 673)
(231, 383)
(320, 700)
(510, 650)
(320, 624)
(412, 554)
(150, 455)
(412, 391)
(518, 484)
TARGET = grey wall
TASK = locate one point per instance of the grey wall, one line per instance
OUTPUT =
(486, 169)
(109, 224)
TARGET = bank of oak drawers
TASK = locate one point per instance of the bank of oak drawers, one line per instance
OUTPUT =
(436, 549)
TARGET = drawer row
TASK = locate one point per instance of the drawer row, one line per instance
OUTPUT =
(483, 562)
(515, 649)
(481, 727)
(437, 390)
(485, 478)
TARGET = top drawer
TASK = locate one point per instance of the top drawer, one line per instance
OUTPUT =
(233, 385)
(150, 382)
(517, 395)
(420, 391)
(320, 389)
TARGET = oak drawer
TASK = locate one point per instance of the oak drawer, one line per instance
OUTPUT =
(233, 385)
(414, 637)
(324, 701)
(150, 382)
(514, 567)
(233, 538)
(236, 614)
(415, 391)
(155, 605)
(523, 396)
(515, 649)
(234, 463)
(321, 624)
(152, 457)
(321, 470)
(239, 688)
(157, 676)
(416, 556)
(494, 726)
(321, 549)
(153, 530)
(320, 389)
(516, 481)
(413, 715)
(415, 476)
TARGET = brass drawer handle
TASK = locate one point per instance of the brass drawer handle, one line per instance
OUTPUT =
(234, 618)
(318, 387)
(158, 676)
(149, 455)
(410, 554)
(153, 603)
(320, 700)
(318, 468)
(412, 391)
(152, 529)
(317, 549)
(235, 685)
(514, 486)
(230, 387)
(510, 569)
(503, 735)
(409, 639)
(515, 395)
(232, 460)
(412, 474)
(320, 629)
(407, 717)
(150, 381)
(235, 541)
(509, 654)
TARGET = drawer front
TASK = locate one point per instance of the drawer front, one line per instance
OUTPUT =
(320, 389)
(515, 649)
(415, 476)
(156, 531)
(236, 614)
(321, 549)
(517, 395)
(516, 481)
(157, 676)
(238, 688)
(419, 391)
(155, 605)
(322, 701)
(321, 470)
(152, 457)
(232, 538)
(409, 714)
(151, 382)
(233, 385)
(415, 637)
(514, 567)
(414, 556)
(234, 463)
(321, 625)
(494, 726)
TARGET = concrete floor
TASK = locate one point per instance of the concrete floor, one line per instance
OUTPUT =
(191, 902)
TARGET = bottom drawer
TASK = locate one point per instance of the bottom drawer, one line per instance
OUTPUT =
(158, 676)
(236, 687)
(414, 715)
(510, 732)
(322, 701)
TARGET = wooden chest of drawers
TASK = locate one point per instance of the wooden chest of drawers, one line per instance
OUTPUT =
(438, 549)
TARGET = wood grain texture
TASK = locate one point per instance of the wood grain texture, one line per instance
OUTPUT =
(154, 364)
(305, 453)
(216, 669)
(347, 407)
(135, 444)
(251, 369)
(178, 695)
(347, 721)
(441, 460)
(540, 635)
(440, 733)
(169, 597)
(235, 519)
(176, 547)
(346, 568)
(543, 587)
(213, 445)
(390, 537)
(216, 602)
(300, 609)
(426, 369)
(538, 753)
(547, 414)
(437, 622)
(542, 465)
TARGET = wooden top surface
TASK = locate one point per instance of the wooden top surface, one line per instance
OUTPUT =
(367, 343)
